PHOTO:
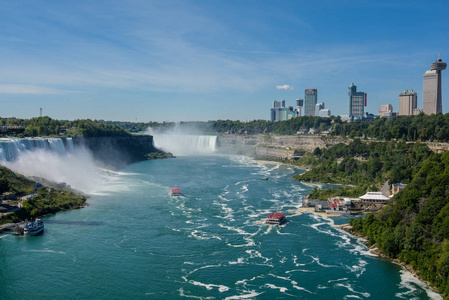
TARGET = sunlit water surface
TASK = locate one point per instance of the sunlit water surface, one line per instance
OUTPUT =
(134, 241)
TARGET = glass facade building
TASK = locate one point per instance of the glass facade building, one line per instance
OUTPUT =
(310, 100)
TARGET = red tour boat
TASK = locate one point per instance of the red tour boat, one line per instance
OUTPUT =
(276, 218)
(175, 192)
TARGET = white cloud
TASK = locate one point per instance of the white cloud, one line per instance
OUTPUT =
(284, 87)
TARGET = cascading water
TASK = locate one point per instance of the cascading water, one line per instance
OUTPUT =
(12, 148)
(185, 144)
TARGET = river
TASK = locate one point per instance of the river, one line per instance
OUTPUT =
(134, 241)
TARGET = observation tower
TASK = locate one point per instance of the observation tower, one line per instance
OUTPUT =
(432, 96)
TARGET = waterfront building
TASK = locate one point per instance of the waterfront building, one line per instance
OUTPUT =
(408, 101)
(385, 110)
(357, 103)
(310, 100)
(432, 100)
(374, 197)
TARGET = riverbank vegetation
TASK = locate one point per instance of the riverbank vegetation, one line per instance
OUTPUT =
(414, 227)
(365, 165)
(43, 200)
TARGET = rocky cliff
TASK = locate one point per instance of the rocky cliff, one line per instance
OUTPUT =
(117, 151)
(278, 146)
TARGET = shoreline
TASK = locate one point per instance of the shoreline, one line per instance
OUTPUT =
(376, 251)
(5, 228)
(348, 229)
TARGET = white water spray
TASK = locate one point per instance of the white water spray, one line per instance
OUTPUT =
(182, 143)
(56, 160)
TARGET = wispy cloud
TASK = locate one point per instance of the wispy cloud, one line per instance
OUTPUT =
(284, 87)
(30, 90)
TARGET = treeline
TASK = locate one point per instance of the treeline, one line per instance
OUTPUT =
(366, 165)
(362, 163)
(407, 128)
(45, 126)
(414, 227)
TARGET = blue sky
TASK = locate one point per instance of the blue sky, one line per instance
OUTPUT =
(208, 59)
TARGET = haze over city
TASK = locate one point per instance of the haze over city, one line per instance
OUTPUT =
(209, 60)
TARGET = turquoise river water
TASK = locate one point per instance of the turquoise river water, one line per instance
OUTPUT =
(134, 241)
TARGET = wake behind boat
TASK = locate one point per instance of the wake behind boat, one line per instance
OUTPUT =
(34, 228)
(276, 218)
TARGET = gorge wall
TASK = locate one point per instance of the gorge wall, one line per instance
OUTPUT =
(117, 151)
(277, 146)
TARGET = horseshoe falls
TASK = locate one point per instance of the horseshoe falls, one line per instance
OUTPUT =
(185, 144)
(134, 241)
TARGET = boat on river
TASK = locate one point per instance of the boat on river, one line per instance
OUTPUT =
(175, 192)
(34, 228)
(276, 218)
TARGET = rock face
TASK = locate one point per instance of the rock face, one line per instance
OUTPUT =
(278, 146)
(117, 151)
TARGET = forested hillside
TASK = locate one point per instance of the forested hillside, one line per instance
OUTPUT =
(45, 200)
(414, 227)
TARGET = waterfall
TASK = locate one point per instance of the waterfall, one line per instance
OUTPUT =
(12, 148)
(185, 144)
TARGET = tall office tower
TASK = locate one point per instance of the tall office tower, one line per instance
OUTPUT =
(432, 101)
(310, 99)
(357, 103)
(299, 104)
(408, 101)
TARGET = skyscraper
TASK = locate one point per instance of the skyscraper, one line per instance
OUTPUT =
(310, 100)
(299, 104)
(281, 113)
(432, 101)
(357, 103)
(408, 101)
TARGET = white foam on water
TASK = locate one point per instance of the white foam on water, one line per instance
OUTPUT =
(257, 254)
(358, 269)
(352, 296)
(409, 282)
(46, 251)
(295, 261)
(351, 289)
(249, 295)
(317, 261)
(182, 294)
(293, 283)
(210, 286)
(235, 229)
(239, 261)
(201, 235)
(272, 286)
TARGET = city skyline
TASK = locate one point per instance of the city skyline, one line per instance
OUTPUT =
(196, 60)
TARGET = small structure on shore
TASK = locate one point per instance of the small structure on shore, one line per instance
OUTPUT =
(397, 187)
(374, 197)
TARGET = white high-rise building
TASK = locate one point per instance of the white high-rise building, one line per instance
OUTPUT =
(408, 102)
